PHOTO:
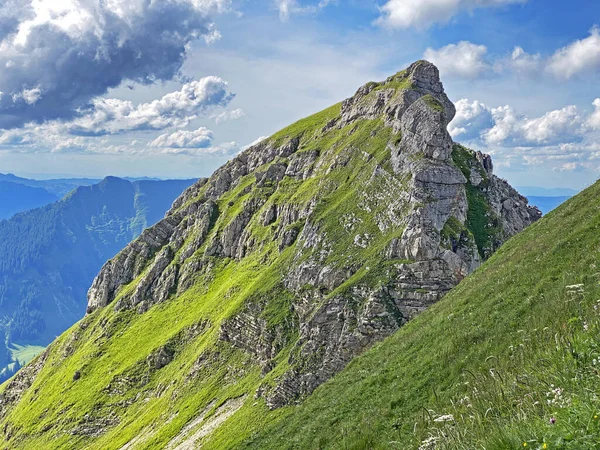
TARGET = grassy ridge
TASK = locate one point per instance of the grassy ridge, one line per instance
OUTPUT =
(509, 359)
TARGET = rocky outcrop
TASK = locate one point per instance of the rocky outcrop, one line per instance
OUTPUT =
(429, 210)
(20, 383)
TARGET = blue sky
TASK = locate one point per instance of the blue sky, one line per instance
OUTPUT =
(93, 88)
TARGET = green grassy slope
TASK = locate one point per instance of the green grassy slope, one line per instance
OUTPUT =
(512, 354)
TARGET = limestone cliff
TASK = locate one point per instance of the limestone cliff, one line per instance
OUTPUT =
(297, 255)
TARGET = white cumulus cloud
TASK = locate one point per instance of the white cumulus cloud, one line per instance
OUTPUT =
(200, 138)
(471, 119)
(29, 96)
(581, 56)
(594, 119)
(225, 116)
(464, 59)
(59, 55)
(176, 109)
(524, 63)
(424, 13)
(553, 128)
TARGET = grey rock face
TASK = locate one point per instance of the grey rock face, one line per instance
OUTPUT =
(329, 340)
(425, 190)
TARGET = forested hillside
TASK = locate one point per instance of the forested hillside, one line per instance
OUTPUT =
(49, 256)
(16, 197)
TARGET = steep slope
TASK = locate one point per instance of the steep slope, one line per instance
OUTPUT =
(49, 256)
(270, 277)
(16, 198)
(509, 359)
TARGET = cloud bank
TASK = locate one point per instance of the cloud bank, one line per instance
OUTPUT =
(176, 109)
(581, 56)
(56, 56)
(503, 126)
(468, 60)
(565, 139)
(200, 138)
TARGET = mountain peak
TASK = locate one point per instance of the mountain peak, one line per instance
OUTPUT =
(112, 180)
(383, 167)
(391, 98)
(425, 75)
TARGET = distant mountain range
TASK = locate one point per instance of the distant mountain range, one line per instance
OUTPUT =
(546, 199)
(536, 191)
(59, 187)
(15, 198)
(19, 194)
(50, 255)
(547, 204)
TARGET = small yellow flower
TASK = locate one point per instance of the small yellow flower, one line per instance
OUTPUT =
(524, 444)
(545, 446)
(595, 417)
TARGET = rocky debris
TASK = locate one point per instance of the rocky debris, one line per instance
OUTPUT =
(191, 436)
(130, 263)
(270, 215)
(121, 384)
(424, 134)
(329, 339)
(250, 332)
(301, 164)
(511, 207)
(420, 194)
(189, 194)
(21, 382)
(94, 426)
(231, 243)
(76, 375)
(289, 237)
(485, 161)
(272, 175)
(160, 358)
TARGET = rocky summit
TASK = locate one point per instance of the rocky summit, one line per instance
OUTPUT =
(268, 278)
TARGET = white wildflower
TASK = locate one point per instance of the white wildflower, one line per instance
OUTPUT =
(444, 418)
(429, 443)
